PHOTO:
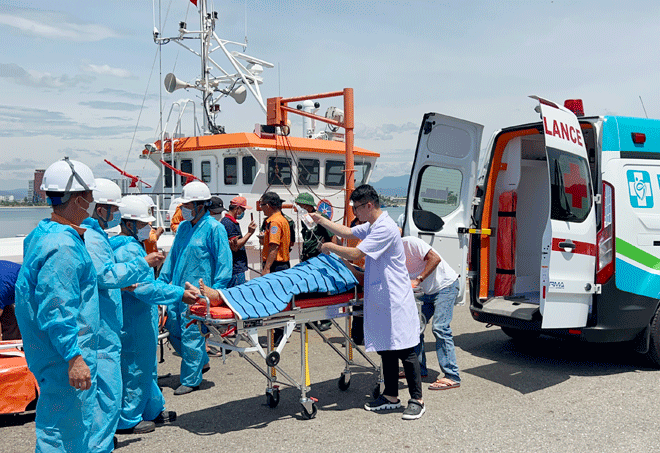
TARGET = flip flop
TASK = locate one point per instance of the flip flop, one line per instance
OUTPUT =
(444, 385)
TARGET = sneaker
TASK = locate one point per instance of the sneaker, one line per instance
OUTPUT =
(414, 410)
(165, 417)
(382, 403)
(325, 325)
(141, 428)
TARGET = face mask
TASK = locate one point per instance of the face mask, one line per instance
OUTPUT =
(240, 216)
(186, 213)
(143, 233)
(116, 219)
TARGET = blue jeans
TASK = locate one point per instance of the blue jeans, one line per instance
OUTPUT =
(236, 279)
(440, 306)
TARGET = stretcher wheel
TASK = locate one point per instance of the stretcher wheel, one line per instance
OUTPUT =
(309, 415)
(343, 383)
(273, 398)
(376, 392)
(273, 358)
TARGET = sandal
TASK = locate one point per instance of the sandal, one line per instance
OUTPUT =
(444, 384)
(402, 375)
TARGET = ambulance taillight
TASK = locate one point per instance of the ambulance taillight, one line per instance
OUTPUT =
(605, 237)
(575, 106)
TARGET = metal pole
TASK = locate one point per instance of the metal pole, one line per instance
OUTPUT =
(350, 170)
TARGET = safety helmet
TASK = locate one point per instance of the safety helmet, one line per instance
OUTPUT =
(107, 192)
(195, 191)
(135, 209)
(66, 176)
(305, 198)
(147, 199)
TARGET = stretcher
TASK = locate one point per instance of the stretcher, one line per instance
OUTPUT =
(233, 328)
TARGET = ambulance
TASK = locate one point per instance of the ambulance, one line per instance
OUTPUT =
(554, 229)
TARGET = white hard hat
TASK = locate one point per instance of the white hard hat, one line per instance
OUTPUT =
(147, 199)
(135, 209)
(195, 191)
(107, 192)
(68, 176)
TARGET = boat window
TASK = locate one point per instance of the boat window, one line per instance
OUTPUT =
(206, 171)
(168, 174)
(361, 173)
(439, 190)
(186, 165)
(249, 169)
(308, 172)
(279, 171)
(231, 171)
(334, 173)
(570, 186)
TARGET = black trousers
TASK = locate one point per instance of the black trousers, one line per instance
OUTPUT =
(410, 367)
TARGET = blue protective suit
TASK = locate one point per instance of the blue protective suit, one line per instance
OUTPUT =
(111, 277)
(142, 399)
(200, 251)
(57, 309)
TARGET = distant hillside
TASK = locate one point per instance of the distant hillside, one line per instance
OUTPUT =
(18, 194)
(392, 186)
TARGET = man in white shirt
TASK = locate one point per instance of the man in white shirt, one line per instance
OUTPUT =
(439, 285)
(391, 322)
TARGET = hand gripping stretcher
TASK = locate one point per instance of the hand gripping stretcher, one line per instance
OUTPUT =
(319, 289)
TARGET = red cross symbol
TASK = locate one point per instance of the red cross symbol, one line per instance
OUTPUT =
(575, 185)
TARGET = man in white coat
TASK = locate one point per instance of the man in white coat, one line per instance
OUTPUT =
(391, 322)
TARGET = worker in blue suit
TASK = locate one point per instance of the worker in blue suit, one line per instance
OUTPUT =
(57, 310)
(112, 276)
(200, 250)
(142, 399)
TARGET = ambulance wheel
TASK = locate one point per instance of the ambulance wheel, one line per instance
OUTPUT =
(654, 342)
(273, 398)
(273, 358)
(309, 415)
(343, 383)
(376, 392)
(519, 334)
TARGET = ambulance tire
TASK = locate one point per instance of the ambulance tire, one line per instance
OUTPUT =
(519, 334)
(654, 342)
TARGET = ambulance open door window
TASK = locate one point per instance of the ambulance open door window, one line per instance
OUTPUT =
(570, 186)
(438, 191)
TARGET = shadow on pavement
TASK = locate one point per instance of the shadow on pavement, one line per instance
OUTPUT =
(540, 363)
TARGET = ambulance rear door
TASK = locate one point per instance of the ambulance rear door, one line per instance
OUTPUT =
(442, 186)
(569, 242)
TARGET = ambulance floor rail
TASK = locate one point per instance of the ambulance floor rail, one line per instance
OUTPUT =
(230, 333)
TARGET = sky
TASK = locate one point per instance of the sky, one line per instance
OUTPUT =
(83, 79)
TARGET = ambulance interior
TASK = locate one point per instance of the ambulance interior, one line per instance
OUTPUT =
(524, 170)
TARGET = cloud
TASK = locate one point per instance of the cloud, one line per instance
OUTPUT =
(383, 132)
(30, 122)
(32, 78)
(108, 70)
(55, 26)
(105, 105)
(127, 94)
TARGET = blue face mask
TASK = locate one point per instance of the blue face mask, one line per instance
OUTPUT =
(240, 216)
(187, 214)
(114, 221)
(143, 233)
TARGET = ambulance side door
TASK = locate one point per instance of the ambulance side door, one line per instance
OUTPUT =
(442, 186)
(569, 245)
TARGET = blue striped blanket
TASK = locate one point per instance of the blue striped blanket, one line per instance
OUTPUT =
(270, 294)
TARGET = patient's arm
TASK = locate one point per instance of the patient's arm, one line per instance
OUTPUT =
(359, 274)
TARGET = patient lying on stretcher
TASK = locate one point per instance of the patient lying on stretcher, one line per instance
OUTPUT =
(264, 296)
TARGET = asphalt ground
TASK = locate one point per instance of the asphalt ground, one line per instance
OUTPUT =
(545, 395)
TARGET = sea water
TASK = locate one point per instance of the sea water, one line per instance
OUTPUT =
(18, 221)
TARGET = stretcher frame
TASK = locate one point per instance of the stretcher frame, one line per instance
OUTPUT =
(242, 336)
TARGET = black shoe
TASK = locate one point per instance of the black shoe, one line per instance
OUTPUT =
(206, 368)
(414, 410)
(184, 389)
(114, 442)
(141, 428)
(325, 325)
(165, 417)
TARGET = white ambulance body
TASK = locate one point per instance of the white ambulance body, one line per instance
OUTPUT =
(563, 229)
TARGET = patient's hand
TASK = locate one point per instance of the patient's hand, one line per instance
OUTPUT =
(212, 294)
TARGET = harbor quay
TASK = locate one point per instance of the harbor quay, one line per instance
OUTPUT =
(545, 395)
